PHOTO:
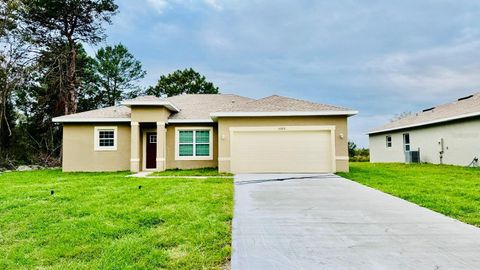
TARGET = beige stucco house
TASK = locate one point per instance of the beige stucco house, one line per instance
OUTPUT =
(234, 133)
(445, 134)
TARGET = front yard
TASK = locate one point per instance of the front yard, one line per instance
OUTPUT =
(108, 221)
(450, 190)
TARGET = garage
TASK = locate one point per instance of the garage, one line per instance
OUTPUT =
(299, 149)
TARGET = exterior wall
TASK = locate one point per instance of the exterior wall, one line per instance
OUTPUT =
(79, 153)
(149, 114)
(379, 151)
(189, 164)
(461, 143)
(340, 122)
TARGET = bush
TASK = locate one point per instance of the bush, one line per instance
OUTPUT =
(358, 154)
(360, 159)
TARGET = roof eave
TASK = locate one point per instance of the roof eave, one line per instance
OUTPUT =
(62, 119)
(112, 120)
(216, 115)
(426, 123)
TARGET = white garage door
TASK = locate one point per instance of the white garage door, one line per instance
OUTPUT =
(281, 150)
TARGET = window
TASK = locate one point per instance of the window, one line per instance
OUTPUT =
(105, 138)
(389, 141)
(152, 138)
(194, 144)
(406, 142)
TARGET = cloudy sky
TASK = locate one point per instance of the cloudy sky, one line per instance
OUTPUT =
(379, 57)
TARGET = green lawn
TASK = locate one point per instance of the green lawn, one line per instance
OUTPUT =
(105, 221)
(192, 172)
(450, 190)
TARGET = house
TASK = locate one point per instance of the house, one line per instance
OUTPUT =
(234, 133)
(445, 134)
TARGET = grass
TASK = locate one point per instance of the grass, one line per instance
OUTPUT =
(105, 221)
(192, 172)
(451, 190)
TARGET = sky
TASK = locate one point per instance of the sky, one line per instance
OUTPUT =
(381, 58)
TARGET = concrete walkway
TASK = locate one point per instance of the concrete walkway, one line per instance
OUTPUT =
(140, 174)
(327, 222)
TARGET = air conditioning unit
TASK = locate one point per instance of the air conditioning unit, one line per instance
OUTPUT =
(412, 157)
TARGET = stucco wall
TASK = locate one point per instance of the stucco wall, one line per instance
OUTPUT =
(189, 164)
(79, 153)
(461, 143)
(146, 115)
(149, 114)
(340, 122)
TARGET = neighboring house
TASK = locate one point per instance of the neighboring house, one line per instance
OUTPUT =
(445, 134)
(236, 134)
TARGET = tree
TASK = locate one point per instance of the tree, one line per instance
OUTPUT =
(352, 148)
(67, 21)
(38, 101)
(186, 81)
(401, 116)
(16, 59)
(116, 74)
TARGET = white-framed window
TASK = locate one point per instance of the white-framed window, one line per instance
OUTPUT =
(406, 142)
(388, 140)
(152, 138)
(194, 143)
(105, 138)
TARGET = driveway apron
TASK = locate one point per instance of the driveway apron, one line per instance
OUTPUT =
(328, 222)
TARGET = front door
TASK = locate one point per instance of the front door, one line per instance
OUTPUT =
(151, 150)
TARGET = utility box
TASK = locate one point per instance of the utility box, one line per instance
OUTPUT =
(412, 157)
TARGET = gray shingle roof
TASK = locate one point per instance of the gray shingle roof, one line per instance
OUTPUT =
(462, 108)
(201, 106)
(277, 103)
(101, 115)
(144, 99)
(150, 101)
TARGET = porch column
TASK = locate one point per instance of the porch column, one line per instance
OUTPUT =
(135, 147)
(161, 146)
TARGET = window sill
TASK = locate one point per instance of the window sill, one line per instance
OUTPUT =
(105, 149)
(193, 158)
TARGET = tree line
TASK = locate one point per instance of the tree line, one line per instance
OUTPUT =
(358, 154)
(45, 72)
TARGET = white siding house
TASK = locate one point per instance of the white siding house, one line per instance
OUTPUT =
(446, 134)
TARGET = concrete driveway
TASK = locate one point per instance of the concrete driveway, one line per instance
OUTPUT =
(328, 222)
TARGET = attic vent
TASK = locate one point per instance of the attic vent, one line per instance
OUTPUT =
(429, 109)
(464, 98)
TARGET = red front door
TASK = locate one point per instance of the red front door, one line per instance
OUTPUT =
(151, 150)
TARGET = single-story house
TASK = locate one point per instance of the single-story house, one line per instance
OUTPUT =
(234, 133)
(444, 134)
